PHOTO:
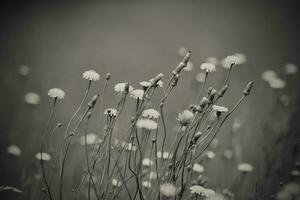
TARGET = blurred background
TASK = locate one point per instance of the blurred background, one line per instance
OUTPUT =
(45, 44)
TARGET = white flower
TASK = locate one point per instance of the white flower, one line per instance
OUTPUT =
(24, 70)
(112, 112)
(91, 138)
(32, 98)
(116, 182)
(14, 150)
(145, 84)
(228, 154)
(209, 67)
(198, 168)
(185, 117)
(182, 51)
(147, 124)
(151, 113)
(245, 167)
(146, 184)
(212, 60)
(153, 175)
(230, 61)
(137, 94)
(290, 68)
(120, 87)
(129, 146)
(241, 58)
(197, 189)
(165, 155)
(220, 109)
(277, 83)
(43, 156)
(200, 77)
(210, 154)
(189, 66)
(56, 93)
(147, 162)
(168, 189)
(160, 83)
(268, 75)
(91, 75)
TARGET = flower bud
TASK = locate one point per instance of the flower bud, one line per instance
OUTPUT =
(248, 88)
(223, 90)
(107, 77)
(183, 63)
(92, 103)
(212, 95)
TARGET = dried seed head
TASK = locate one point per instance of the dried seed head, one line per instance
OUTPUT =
(248, 88)
(223, 90)
(93, 102)
(107, 76)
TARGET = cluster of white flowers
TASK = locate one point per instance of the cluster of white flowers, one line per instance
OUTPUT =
(14, 150)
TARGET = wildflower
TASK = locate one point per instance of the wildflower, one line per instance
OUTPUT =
(153, 175)
(200, 77)
(197, 189)
(151, 113)
(189, 66)
(165, 155)
(219, 109)
(147, 162)
(147, 124)
(230, 61)
(277, 83)
(32, 98)
(91, 75)
(168, 189)
(210, 154)
(56, 93)
(212, 60)
(120, 87)
(185, 118)
(245, 167)
(116, 182)
(91, 138)
(160, 83)
(290, 68)
(137, 94)
(111, 112)
(268, 75)
(14, 150)
(208, 67)
(129, 146)
(24, 70)
(198, 168)
(228, 154)
(145, 84)
(43, 156)
(146, 184)
(241, 58)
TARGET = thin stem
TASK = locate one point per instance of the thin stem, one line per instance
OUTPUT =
(202, 89)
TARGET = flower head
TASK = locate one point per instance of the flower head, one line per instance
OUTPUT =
(14, 150)
(116, 182)
(91, 138)
(198, 168)
(230, 61)
(245, 167)
(145, 84)
(56, 93)
(165, 155)
(43, 156)
(168, 189)
(197, 189)
(277, 83)
(146, 184)
(32, 98)
(220, 109)
(146, 124)
(91, 75)
(290, 68)
(147, 162)
(151, 113)
(137, 94)
(120, 87)
(185, 118)
(209, 67)
(111, 112)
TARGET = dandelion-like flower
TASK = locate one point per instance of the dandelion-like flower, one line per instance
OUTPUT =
(111, 112)
(220, 109)
(147, 162)
(160, 83)
(228, 154)
(146, 184)
(146, 124)
(277, 83)
(137, 94)
(152, 175)
(230, 61)
(241, 58)
(165, 155)
(245, 167)
(91, 138)
(198, 168)
(145, 84)
(116, 182)
(32, 98)
(290, 68)
(129, 146)
(91, 75)
(268, 75)
(197, 189)
(151, 113)
(120, 87)
(14, 150)
(210, 154)
(168, 189)
(56, 93)
(185, 118)
(208, 67)
(43, 156)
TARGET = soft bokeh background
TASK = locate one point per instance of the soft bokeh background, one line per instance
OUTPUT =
(134, 41)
